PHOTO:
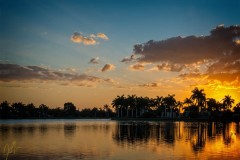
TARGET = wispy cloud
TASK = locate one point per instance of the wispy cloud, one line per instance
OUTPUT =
(170, 67)
(102, 36)
(108, 67)
(92, 39)
(151, 85)
(94, 60)
(18, 73)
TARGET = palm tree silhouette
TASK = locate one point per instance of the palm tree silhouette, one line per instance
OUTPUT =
(227, 102)
(106, 108)
(169, 103)
(131, 102)
(118, 104)
(188, 101)
(213, 105)
(199, 97)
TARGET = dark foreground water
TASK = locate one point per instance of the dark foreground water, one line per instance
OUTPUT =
(105, 139)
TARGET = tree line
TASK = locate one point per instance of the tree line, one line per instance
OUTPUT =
(196, 106)
(20, 110)
(132, 106)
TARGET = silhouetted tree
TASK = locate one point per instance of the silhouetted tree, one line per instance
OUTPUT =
(170, 103)
(188, 101)
(69, 109)
(118, 103)
(43, 110)
(5, 110)
(237, 108)
(106, 108)
(227, 102)
(18, 110)
(199, 97)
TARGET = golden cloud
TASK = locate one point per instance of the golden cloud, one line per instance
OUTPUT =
(87, 40)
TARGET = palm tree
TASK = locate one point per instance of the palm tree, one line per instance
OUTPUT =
(158, 101)
(106, 108)
(199, 97)
(237, 108)
(227, 102)
(179, 104)
(131, 102)
(118, 103)
(213, 105)
(146, 104)
(169, 102)
(142, 104)
(188, 101)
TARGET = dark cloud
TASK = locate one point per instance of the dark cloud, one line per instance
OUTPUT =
(108, 67)
(186, 50)
(170, 67)
(128, 59)
(14, 72)
(94, 60)
(215, 56)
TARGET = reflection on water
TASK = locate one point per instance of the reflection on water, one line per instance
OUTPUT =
(105, 139)
(70, 130)
(167, 133)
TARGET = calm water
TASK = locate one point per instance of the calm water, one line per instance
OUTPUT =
(105, 139)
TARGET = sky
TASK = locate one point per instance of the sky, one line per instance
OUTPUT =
(88, 52)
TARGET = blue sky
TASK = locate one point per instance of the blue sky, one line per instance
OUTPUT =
(38, 33)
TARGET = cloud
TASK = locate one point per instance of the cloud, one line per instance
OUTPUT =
(170, 67)
(79, 38)
(108, 67)
(137, 67)
(152, 85)
(215, 56)
(18, 73)
(102, 36)
(94, 60)
(87, 40)
(186, 50)
(128, 59)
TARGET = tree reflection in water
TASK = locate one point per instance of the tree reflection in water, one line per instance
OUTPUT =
(70, 130)
(142, 132)
(167, 133)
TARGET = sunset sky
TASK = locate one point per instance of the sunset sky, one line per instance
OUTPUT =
(88, 52)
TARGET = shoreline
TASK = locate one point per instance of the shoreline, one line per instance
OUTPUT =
(135, 119)
(176, 119)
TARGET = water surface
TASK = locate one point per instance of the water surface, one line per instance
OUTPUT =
(106, 139)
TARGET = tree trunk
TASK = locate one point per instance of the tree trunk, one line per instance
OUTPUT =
(127, 111)
(118, 111)
(136, 113)
(165, 111)
(132, 112)
(121, 112)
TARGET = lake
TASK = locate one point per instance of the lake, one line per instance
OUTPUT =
(113, 140)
